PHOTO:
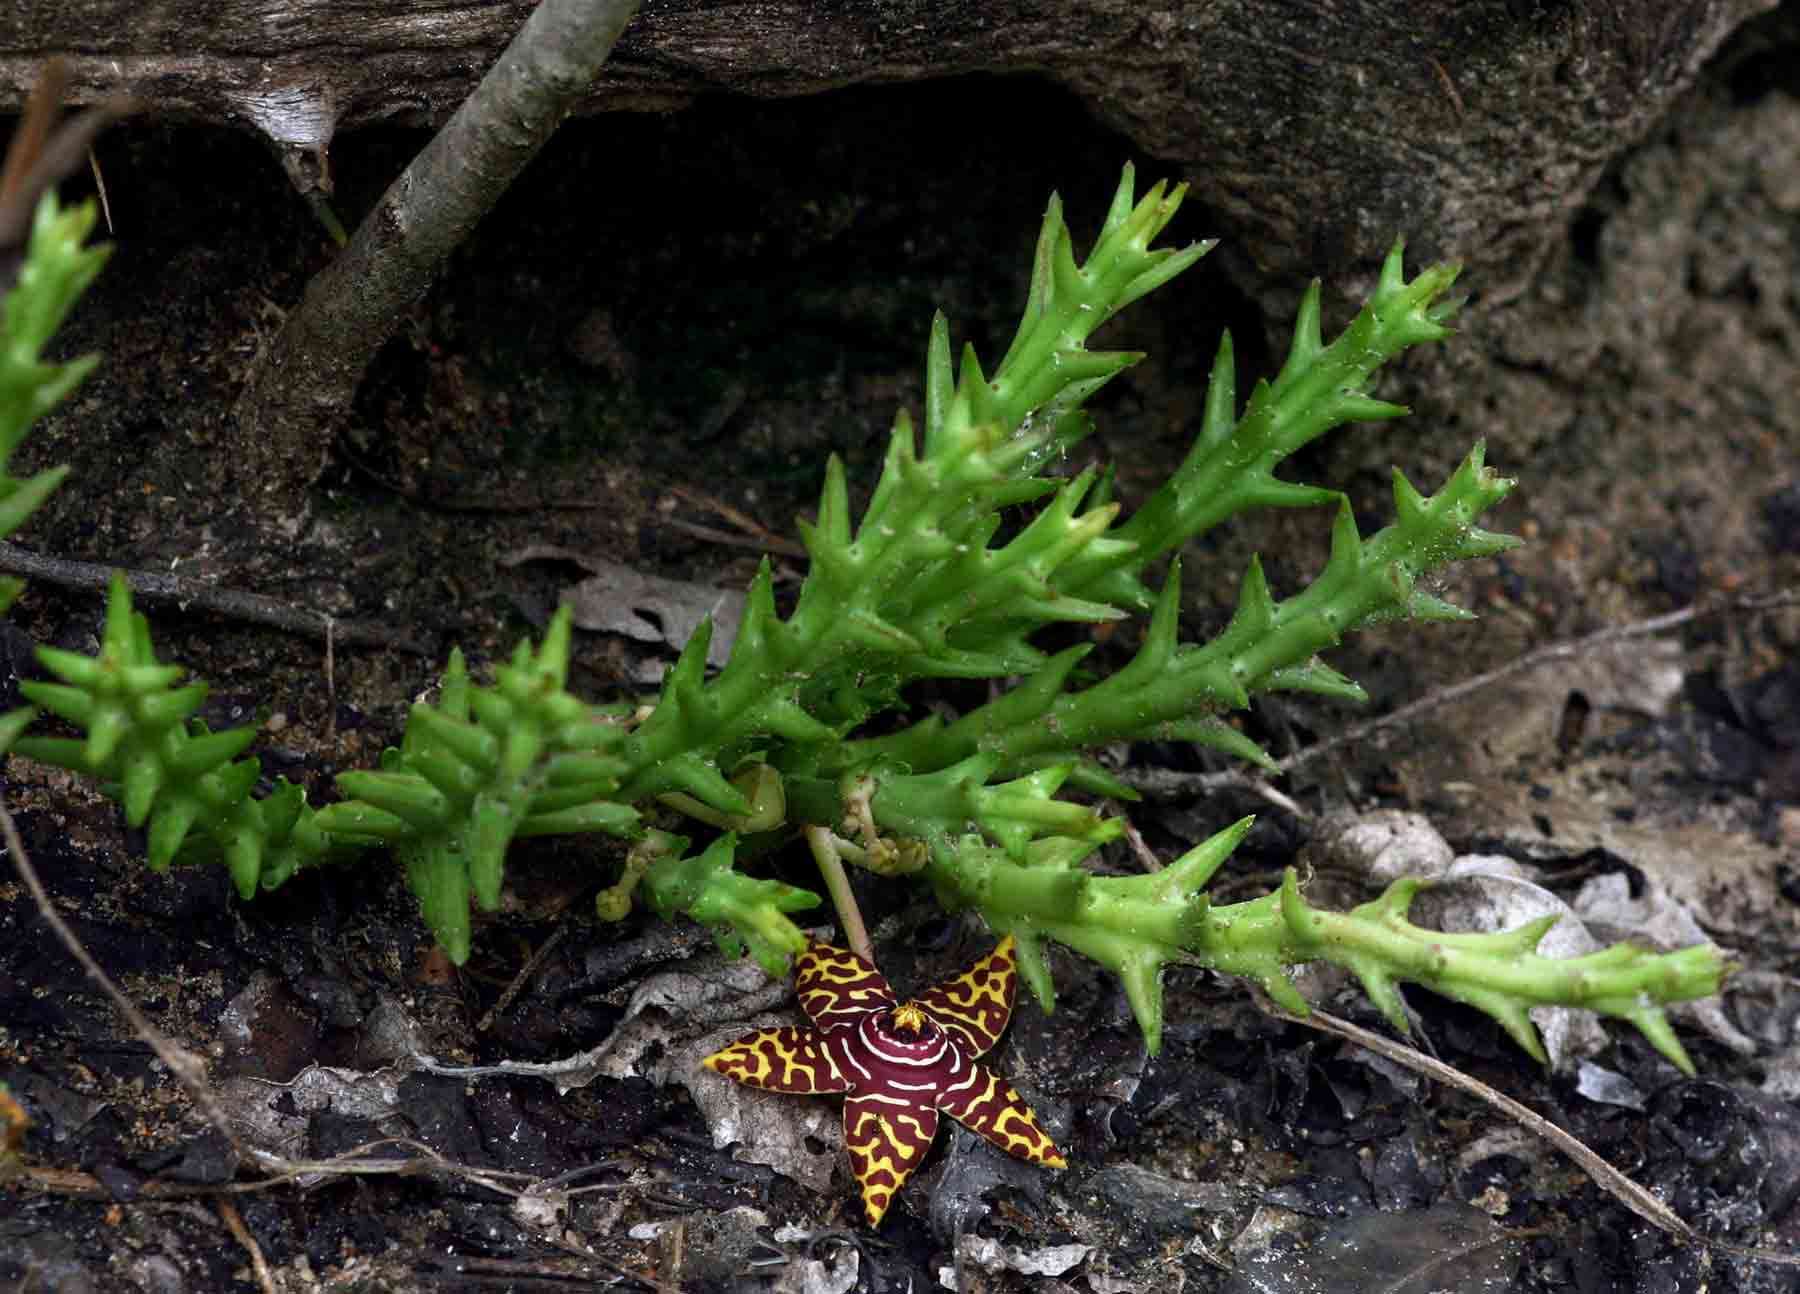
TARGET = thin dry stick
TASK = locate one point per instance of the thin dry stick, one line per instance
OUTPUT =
(1165, 782)
(563, 1271)
(187, 1068)
(305, 1172)
(1146, 856)
(520, 980)
(352, 1163)
(1279, 798)
(762, 536)
(190, 1073)
(43, 151)
(100, 191)
(234, 1223)
(1622, 1188)
(723, 538)
(331, 731)
(159, 586)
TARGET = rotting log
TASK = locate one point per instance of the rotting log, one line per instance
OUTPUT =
(1316, 131)
(1313, 133)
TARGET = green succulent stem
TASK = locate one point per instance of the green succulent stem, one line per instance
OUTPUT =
(1170, 690)
(484, 766)
(181, 781)
(1501, 974)
(58, 267)
(1137, 925)
(885, 596)
(1231, 466)
(744, 913)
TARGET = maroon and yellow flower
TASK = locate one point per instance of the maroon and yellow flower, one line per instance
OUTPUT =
(899, 1063)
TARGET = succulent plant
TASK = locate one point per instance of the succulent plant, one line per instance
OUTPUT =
(972, 542)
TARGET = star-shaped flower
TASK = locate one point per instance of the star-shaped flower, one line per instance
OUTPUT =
(899, 1062)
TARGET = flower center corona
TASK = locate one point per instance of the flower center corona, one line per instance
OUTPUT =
(909, 1017)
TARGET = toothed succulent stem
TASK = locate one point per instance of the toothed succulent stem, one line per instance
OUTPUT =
(887, 597)
(1168, 690)
(177, 778)
(1133, 925)
(487, 764)
(1499, 974)
(58, 267)
(744, 913)
(1137, 925)
(1231, 466)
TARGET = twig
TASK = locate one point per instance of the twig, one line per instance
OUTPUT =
(520, 980)
(44, 150)
(1168, 783)
(1449, 85)
(331, 630)
(159, 586)
(725, 538)
(1615, 1183)
(510, 1271)
(100, 191)
(186, 1067)
(234, 1222)
(1277, 797)
(354, 1162)
(190, 1073)
(764, 537)
(1146, 856)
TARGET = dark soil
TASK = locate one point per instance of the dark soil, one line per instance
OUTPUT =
(673, 312)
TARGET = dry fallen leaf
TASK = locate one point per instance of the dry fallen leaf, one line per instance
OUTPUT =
(645, 608)
(1418, 1251)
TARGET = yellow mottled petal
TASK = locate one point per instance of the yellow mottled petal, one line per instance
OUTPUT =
(781, 1060)
(974, 1007)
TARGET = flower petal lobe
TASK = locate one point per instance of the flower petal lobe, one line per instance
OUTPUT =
(987, 1105)
(974, 1007)
(887, 1139)
(836, 987)
(782, 1060)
